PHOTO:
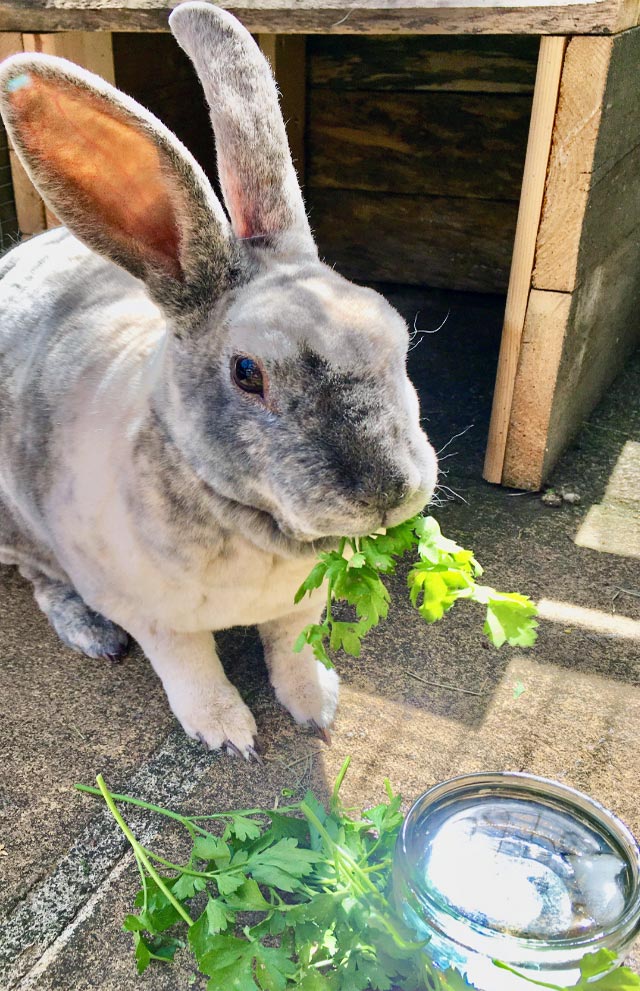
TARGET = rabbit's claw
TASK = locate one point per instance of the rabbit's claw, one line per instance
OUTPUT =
(321, 732)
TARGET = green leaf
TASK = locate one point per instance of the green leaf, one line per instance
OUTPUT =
(273, 968)
(210, 847)
(144, 953)
(247, 898)
(596, 963)
(213, 920)
(243, 828)
(230, 881)
(132, 923)
(160, 913)
(510, 619)
(187, 885)
(313, 580)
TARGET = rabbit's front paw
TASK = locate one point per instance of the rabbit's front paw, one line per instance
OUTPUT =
(220, 721)
(307, 689)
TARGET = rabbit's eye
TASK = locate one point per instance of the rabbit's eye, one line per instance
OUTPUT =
(247, 375)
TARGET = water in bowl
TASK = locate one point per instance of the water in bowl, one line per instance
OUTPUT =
(521, 872)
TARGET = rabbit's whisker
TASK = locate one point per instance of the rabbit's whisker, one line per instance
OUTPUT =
(455, 437)
(454, 494)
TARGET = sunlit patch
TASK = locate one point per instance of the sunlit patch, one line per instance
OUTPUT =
(601, 622)
(613, 526)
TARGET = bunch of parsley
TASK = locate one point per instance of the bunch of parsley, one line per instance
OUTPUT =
(294, 897)
(443, 574)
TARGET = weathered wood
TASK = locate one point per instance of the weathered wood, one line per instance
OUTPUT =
(541, 17)
(536, 379)
(286, 53)
(603, 323)
(445, 144)
(586, 147)
(574, 351)
(498, 64)
(91, 51)
(30, 209)
(542, 116)
(419, 240)
(9, 45)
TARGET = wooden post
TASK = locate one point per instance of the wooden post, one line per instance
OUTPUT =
(582, 319)
(286, 53)
(545, 99)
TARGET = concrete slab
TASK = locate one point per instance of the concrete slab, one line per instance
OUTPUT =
(420, 705)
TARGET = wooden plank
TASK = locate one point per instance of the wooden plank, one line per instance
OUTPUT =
(570, 163)
(9, 45)
(286, 53)
(542, 116)
(459, 64)
(445, 144)
(541, 17)
(391, 238)
(538, 363)
(496, 64)
(586, 146)
(576, 344)
(91, 51)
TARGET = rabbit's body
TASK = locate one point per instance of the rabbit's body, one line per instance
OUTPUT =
(189, 414)
(90, 499)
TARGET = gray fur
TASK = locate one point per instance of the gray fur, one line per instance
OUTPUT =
(134, 472)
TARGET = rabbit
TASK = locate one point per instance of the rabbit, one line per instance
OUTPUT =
(192, 405)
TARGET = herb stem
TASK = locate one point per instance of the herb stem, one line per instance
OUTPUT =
(139, 851)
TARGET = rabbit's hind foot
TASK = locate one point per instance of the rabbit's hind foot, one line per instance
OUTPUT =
(78, 626)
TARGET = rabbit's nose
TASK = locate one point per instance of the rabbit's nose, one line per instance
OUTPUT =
(388, 494)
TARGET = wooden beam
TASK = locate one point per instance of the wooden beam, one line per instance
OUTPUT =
(336, 16)
(545, 99)
(286, 53)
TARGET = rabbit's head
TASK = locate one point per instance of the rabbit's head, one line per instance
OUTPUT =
(283, 384)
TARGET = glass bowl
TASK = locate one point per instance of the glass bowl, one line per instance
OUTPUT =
(512, 867)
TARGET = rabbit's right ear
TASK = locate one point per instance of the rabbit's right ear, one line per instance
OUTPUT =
(117, 178)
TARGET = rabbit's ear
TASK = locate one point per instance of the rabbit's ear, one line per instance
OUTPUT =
(257, 176)
(118, 178)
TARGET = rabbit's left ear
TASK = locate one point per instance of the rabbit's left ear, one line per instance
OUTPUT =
(118, 179)
(257, 176)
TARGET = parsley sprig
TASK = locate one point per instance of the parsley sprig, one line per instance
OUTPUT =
(294, 897)
(443, 573)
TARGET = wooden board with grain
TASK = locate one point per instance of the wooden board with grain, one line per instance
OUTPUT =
(597, 125)
(540, 132)
(576, 344)
(438, 144)
(418, 240)
(597, 259)
(540, 17)
(459, 64)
